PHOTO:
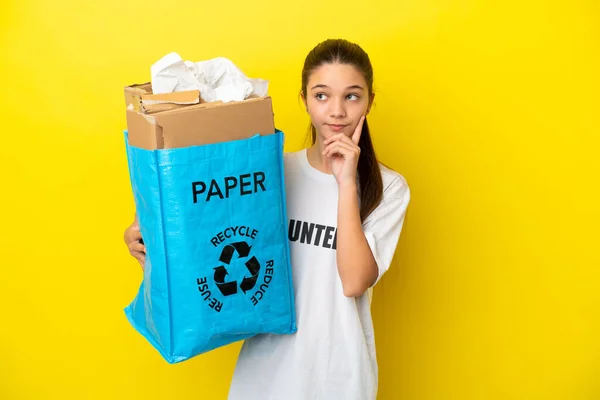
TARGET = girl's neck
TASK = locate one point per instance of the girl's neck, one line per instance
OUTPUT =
(316, 159)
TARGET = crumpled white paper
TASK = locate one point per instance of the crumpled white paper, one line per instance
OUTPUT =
(216, 79)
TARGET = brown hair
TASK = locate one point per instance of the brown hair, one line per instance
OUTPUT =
(341, 51)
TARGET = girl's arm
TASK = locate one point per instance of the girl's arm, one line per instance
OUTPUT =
(356, 265)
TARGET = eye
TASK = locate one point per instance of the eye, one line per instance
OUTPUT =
(321, 96)
(352, 96)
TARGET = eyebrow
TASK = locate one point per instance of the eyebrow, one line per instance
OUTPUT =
(327, 87)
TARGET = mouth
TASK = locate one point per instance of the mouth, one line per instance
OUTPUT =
(336, 127)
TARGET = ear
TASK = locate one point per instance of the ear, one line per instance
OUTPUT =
(371, 99)
(304, 101)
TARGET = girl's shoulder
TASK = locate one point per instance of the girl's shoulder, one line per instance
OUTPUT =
(394, 184)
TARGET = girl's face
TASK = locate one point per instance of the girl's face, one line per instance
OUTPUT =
(336, 97)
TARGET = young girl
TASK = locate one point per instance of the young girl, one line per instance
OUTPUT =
(345, 212)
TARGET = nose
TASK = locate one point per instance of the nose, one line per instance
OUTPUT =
(337, 109)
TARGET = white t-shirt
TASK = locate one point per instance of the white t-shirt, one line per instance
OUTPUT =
(332, 355)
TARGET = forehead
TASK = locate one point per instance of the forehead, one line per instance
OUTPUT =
(336, 76)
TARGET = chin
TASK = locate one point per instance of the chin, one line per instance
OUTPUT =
(328, 132)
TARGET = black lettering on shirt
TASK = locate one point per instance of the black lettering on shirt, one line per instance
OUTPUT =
(307, 231)
(311, 233)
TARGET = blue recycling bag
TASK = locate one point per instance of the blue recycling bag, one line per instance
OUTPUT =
(213, 219)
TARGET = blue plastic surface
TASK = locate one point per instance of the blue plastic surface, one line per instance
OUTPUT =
(213, 219)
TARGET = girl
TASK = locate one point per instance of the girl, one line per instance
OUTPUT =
(346, 212)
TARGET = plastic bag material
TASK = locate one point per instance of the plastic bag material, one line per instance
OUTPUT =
(213, 219)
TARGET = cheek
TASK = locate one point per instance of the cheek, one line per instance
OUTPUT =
(361, 107)
(355, 113)
(315, 109)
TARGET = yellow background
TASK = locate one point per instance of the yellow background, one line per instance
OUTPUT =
(488, 108)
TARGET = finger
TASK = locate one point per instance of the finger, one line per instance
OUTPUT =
(339, 148)
(358, 130)
(136, 254)
(134, 227)
(347, 144)
(136, 233)
(344, 149)
(339, 137)
(132, 233)
(335, 138)
(141, 257)
(137, 246)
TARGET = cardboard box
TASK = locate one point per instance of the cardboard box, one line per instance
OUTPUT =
(142, 99)
(196, 124)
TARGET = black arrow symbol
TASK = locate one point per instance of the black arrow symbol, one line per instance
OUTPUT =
(226, 254)
(253, 265)
(226, 288)
(242, 248)
(220, 273)
(248, 282)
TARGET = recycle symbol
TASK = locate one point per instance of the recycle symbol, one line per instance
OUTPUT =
(230, 287)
